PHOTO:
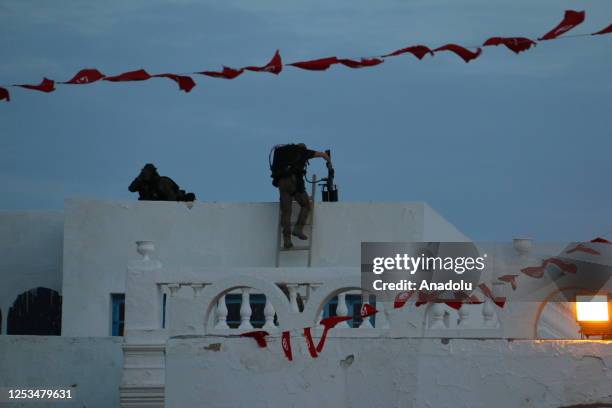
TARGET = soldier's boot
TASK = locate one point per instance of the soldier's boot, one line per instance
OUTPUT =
(287, 244)
(298, 231)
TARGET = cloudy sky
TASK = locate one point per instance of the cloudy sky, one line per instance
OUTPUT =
(504, 146)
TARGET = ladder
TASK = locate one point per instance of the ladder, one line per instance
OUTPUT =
(307, 248)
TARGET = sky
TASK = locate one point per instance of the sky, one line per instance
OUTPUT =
(505, 146)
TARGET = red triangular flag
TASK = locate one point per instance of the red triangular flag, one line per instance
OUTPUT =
(600, 240)
(418, 51)
(275, 66)
(500, 301)
(316, 65)
(606, 30)
(286, 344)
(582, 248)
(535, 271)
(570, 20)
(227, 73)
(401, 299)
(464, 53)
(139, 75)
(4, 94)
(185, 83)
(454, 304)
(330, 323)
(516, 44)
(310, 343)
(47, 85)
(510, 279)
(368, 310)
(259, 336)
(85, 76)
(364, 62)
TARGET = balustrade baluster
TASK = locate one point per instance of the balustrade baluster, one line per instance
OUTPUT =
(292, 287)
(245, 310)
(437, 316)
(221, 314)
(342, 309)
(269, 315)
(464, 315)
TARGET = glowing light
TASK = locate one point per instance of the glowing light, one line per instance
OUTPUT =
(592, 308)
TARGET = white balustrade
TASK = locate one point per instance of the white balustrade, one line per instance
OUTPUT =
(221, 314)
(342, 309)
(292, 288)
(269, 315)
(245, 310)
(315, 286)
(488, 313)
(437, 316)
(464, 316)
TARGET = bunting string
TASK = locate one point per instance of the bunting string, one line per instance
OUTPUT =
(275, 66)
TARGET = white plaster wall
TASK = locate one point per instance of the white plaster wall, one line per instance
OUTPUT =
(99, 241)
(30, 254)
(92, 364)
(388, 373)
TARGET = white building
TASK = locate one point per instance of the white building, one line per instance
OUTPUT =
(212, 266)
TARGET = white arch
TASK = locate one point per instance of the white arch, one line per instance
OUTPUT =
(272, 292)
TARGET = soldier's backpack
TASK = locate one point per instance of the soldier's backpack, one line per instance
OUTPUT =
(282, 158)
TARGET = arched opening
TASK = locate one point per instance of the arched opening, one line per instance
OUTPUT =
(555, 318)
(36, 312)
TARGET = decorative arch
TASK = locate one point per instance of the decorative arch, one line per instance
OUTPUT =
(36, 311)
(548, 299)
(326, 293)
(218, 289)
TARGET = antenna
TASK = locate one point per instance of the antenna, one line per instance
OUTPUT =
(329, 191)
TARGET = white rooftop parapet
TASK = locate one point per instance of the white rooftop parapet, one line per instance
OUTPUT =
(192, 301)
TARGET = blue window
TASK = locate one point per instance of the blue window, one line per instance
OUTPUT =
(353, 303)
(233, 302)
(117, 313)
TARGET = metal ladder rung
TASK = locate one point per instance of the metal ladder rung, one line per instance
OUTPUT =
(296, 248)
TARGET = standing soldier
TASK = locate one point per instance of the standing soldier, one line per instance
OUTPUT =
(288, 171)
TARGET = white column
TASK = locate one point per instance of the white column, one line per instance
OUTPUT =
(437, 316)
(221, 314)
(269, 315)
(245, 310)
(464, 315)
(488, 312)
(142, 293)
(292, 287)
(342, 309)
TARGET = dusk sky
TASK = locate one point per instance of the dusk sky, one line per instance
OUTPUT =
(505, 146)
